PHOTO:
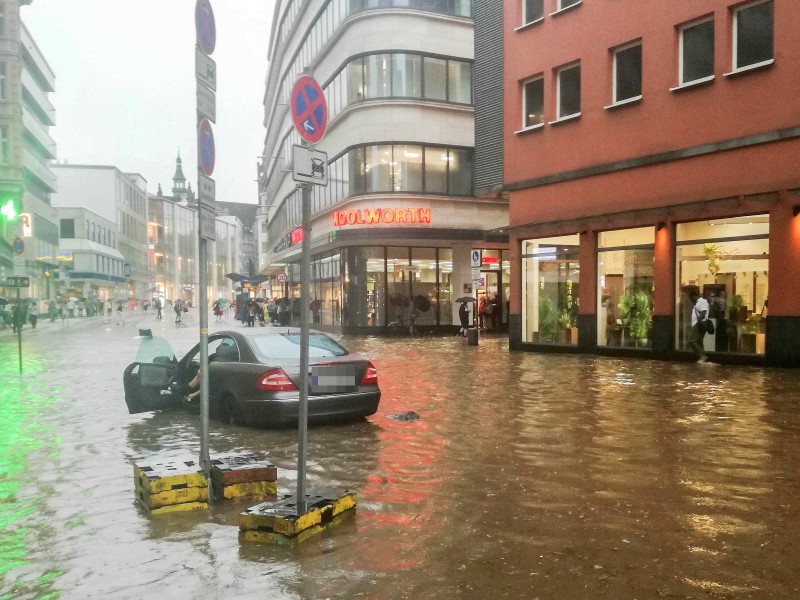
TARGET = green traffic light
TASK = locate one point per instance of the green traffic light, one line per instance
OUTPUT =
(9, 211)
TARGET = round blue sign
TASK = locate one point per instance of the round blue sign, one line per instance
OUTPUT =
(19, 245)
(309, 110)
(206, 26)
(206, 154)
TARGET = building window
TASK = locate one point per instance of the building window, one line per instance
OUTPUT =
(459, 82)
(533, 102)
(697, 51)
(625, 287)
(569, 91)
(727, 262)
(435, 70)
(753, 35)
(550, 282)
(68, 228)
(5, 145)
(628, 73)
(2, 19)
(532, 10)
(3, 80)
(562, 4)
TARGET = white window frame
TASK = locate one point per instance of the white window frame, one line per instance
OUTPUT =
(560, 8)
(525, 83)
(525, 19)
(681, 31)
(735, 34)
(559, 71)
(614, 100)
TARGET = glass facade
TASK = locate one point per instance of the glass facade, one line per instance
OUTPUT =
(550, 283)
(625, 287)
(399, 75)
(727, 262)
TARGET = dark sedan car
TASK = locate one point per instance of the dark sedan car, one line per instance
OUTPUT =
(254, 378)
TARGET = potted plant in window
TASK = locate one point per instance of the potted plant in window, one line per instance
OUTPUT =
(548, 320)
(635, 308)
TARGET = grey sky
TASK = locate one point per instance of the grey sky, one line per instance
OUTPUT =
(125, 87)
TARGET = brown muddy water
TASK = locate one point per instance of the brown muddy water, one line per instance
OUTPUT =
(527, 476)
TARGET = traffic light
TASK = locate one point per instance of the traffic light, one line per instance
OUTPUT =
(10, 206)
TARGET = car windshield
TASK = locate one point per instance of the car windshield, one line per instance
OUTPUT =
(154, 350)
(287, 346)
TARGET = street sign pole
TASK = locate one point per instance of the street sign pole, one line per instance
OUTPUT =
(310, 116)
(305, 284)
(19, 332)
(206, 77)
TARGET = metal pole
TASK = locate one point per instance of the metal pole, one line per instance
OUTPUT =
(19, 330)
(202, 309)
(305, 284)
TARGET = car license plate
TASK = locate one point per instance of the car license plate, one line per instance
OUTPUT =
(329, 379)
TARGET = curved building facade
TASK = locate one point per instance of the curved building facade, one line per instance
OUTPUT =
(394, 229)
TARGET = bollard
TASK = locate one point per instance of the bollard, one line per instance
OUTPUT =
(472, 336)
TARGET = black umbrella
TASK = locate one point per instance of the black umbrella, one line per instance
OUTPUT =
(466, 299)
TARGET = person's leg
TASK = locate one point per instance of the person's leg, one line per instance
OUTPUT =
(696, 343)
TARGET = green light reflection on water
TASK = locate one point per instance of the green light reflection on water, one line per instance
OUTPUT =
(23, 431)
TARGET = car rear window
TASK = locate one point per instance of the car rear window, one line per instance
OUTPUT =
(287, 346)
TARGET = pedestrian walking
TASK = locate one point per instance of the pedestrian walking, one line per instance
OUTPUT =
(697, 331)
(217, 309)
(120, 313)
(52, 311)
(33, 313)
(177, 306)
(463, 316)
(19, 316)
(157, 306)
(251, 313)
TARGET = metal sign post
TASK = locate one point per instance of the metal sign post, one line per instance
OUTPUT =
(18, 282)
(310, 116)
(206, 76)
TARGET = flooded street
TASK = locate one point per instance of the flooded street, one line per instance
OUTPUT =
(527, 476)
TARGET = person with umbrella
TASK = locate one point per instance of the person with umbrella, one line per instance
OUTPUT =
(463, 313)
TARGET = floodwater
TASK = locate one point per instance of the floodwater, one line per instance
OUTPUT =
(527, 476)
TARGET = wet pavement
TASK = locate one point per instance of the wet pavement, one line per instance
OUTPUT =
(527, 476)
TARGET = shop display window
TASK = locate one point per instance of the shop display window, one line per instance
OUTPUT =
(365, 287)
(445, 290)
(727, 261)
(550, 282)
(625, 287)
(424, 285)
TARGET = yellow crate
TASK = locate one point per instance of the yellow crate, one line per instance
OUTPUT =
(243, 490)
(267, 537)
(170, 497)
(178, 507)
(281, 516)
(167, 475)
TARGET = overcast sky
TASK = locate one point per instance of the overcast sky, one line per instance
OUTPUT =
(125, 86)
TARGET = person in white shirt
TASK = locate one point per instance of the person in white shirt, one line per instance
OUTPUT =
(698, 329)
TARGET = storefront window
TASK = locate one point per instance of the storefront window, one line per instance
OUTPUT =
(727, 261)
(625, 287)
(423, 285)
(398, 284)
(550, 280)
(446, 316)
(365, 287)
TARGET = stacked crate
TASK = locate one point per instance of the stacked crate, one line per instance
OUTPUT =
(170, 485)
(280, 522)
(242, 475)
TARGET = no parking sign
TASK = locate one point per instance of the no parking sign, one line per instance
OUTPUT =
(309, 110)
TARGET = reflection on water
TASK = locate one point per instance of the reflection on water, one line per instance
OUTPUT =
(527, 476)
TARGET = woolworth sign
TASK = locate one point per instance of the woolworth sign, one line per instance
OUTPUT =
(381, 216)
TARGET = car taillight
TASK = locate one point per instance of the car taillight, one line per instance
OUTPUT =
(275, 381)
(370, 375)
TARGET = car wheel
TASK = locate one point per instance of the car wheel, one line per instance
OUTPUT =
(229, 410)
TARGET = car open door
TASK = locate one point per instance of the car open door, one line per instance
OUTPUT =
(147, 381)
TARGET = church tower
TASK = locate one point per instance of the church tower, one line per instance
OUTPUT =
(179, 191)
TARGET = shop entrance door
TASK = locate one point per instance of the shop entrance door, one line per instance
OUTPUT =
(491, 286)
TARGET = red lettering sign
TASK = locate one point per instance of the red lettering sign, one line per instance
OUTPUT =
(381, 216)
